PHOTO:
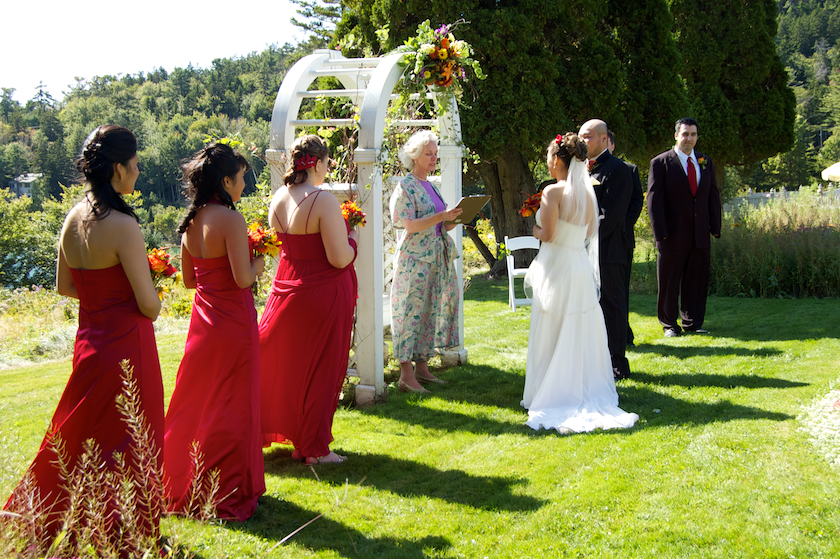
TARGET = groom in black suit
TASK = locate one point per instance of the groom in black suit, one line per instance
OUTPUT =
(634, 210)
(684, 205)
(613, 191)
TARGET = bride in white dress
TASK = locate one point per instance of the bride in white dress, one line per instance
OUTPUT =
(569, 382)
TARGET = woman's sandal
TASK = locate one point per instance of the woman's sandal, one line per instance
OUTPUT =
(433, 380)
(406, 388)
(320, 460)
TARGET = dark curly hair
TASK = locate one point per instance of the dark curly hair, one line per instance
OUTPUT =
(204, 175)
(570, 146)
(106, 146)
(305, 145)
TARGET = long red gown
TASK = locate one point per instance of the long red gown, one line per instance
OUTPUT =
(305, 345)
(216, 397)
(111, 328)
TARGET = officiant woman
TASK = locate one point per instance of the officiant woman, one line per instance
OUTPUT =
(424, 293)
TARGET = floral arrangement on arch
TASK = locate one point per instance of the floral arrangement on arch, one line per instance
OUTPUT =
(434, 58)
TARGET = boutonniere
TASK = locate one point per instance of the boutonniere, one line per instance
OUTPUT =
(702, 161)
(592, 164)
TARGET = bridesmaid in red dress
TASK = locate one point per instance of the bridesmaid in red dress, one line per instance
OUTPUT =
(102, 262)
(306, 327)
(216, 397)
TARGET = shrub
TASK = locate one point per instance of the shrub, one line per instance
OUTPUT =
(787, 248)
(473, 261)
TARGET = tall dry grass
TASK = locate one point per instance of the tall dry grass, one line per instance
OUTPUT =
(107, 512)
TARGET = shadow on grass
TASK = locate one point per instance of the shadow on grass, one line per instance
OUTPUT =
(675, 411)
(412, 479)
(722, 381)
(495, 388)
(688, 352)
(275, 519)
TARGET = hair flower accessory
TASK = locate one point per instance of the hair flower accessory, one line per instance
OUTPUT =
(306, 162)
(559, 139)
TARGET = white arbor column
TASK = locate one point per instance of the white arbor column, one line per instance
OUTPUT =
(451, 175)
(370, 355)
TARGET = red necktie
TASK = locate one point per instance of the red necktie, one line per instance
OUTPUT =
(692, 177)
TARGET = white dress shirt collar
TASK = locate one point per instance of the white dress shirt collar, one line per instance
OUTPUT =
(684, 161)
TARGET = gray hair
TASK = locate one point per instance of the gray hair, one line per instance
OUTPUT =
(415, 144)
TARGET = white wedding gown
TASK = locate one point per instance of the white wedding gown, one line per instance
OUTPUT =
(569, 382)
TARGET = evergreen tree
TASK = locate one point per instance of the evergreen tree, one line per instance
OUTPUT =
(736, 83)
(550, 66)
(319, 18)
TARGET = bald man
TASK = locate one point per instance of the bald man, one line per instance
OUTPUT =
(613, 193)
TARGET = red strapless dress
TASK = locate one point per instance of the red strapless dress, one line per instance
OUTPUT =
(111, 328)
(305, 345)
(216, 397)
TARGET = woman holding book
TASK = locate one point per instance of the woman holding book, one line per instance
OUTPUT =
(424, 293)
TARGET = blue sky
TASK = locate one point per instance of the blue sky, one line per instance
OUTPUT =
(55, 41)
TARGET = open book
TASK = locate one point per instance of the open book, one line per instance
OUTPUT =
(471, 206)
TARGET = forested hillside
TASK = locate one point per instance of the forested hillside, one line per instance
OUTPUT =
(171, 113)
(808, 42)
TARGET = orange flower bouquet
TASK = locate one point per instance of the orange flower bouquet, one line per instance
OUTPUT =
(531, 205)
(352, 214)
(162, 270)
(263, 241)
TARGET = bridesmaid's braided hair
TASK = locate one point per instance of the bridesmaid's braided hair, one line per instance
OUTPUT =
(567, 146)
(106, 146)
(310, 145)
(204, 175)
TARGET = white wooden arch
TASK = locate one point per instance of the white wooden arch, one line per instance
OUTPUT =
(369, 83)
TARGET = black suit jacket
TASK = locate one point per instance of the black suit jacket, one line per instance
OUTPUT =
(637, 200)
(679, 220)
(613, 193)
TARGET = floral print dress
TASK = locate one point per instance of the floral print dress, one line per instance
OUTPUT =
(424, 293)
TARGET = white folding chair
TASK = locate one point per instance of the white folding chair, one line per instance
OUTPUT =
(517, 243)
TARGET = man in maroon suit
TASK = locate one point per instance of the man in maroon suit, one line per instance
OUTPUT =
(683, 202)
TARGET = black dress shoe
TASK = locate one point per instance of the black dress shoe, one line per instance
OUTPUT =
(671, 333)
(631, 344)
(618, 375)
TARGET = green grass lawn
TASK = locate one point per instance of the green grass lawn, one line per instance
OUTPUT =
(717, 466)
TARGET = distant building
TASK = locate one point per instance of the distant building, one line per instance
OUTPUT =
(22, 184)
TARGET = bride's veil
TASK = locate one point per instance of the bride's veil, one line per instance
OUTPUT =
(580, 206)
